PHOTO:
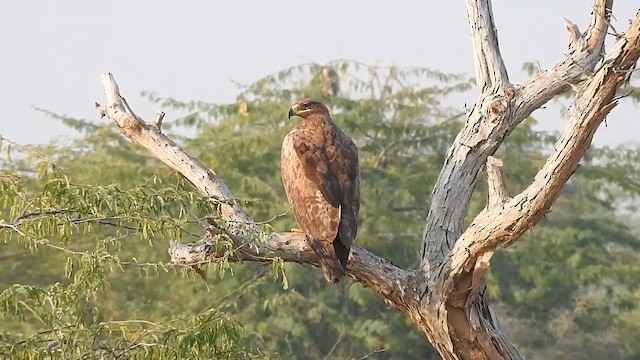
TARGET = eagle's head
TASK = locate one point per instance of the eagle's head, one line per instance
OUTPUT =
(307, 107)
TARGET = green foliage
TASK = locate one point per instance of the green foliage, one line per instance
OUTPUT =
(86, 226)
(75, 237)
(74, 329)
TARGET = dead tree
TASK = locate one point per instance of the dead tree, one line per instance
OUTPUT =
(442, 297)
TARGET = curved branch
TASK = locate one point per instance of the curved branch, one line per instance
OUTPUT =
(149, 137)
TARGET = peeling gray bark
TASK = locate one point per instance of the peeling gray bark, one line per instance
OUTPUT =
(442, 297)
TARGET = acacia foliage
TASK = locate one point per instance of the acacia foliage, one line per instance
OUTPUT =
(86, 225)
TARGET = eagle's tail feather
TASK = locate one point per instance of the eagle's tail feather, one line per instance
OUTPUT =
(342, 253)
(331, 264)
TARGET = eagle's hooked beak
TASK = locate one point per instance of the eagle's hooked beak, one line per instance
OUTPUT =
(293, 111)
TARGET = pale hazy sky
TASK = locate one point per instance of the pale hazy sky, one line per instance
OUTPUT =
(52, 51)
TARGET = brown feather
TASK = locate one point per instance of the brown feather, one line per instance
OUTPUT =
(321, 178)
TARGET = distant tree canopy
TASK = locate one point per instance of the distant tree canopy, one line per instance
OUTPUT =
(85, 227)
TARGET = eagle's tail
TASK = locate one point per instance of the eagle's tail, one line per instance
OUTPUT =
(332, 258)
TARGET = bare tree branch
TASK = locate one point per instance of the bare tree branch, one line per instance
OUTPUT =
(491, 73)
(503, 222)
(583, 56)
(497, 184)
(504, 225)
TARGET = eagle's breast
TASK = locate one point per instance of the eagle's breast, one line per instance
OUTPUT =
(312, 211)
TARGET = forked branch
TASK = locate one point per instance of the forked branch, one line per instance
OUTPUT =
(497, 112)
(501, 226)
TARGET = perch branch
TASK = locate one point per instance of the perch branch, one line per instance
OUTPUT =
(392, 282)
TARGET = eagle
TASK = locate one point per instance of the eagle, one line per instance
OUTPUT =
(321, 178)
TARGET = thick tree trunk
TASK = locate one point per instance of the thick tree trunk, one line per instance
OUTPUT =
(443, 296)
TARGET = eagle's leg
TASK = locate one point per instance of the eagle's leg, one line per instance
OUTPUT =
(297, 230)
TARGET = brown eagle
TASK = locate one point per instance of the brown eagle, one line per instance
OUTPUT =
(321, 178)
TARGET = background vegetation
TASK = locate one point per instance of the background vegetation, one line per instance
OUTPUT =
(85, 226)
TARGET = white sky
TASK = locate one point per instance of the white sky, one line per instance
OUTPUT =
(52, 51)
